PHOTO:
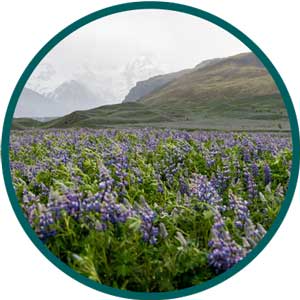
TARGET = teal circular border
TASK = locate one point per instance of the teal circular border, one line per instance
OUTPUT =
(137, 6)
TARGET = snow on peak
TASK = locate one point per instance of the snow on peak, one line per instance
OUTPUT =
(109, 85)
(141, 68)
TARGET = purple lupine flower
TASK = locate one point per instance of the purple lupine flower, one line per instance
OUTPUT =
(268, 174)
(184, 187)
(250, 184)
(224, 251)
(45, 229)
(148, 229)
(240, 208)
(203, 189)
(254, 169)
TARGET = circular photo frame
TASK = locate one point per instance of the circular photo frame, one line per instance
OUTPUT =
(294, 170)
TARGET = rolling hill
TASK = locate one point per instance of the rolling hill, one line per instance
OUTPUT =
(23, 123)
(110, 116)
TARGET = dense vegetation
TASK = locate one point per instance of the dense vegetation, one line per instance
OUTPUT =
(146, 209)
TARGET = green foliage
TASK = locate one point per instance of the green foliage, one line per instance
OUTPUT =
(156, 165)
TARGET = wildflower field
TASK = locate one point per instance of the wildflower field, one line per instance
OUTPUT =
(149, 209)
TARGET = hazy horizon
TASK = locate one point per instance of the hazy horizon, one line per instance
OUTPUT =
(103, 60)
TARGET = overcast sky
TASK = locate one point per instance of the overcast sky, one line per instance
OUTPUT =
(177, 40)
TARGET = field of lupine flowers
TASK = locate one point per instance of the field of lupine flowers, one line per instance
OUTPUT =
(149, 209)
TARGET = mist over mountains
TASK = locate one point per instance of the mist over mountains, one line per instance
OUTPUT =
(52, 92)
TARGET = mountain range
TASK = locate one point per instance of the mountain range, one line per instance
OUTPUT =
(84, 86)
(234, 93)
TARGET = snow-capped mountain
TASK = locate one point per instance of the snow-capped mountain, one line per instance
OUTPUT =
(44, 79)
(33, 104)
(139, 69)
(66, 88)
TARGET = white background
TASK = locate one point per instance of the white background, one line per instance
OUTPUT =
(25, 26)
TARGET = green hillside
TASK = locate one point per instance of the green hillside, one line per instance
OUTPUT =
(225, 83)
(111, 115)
(23, 123)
